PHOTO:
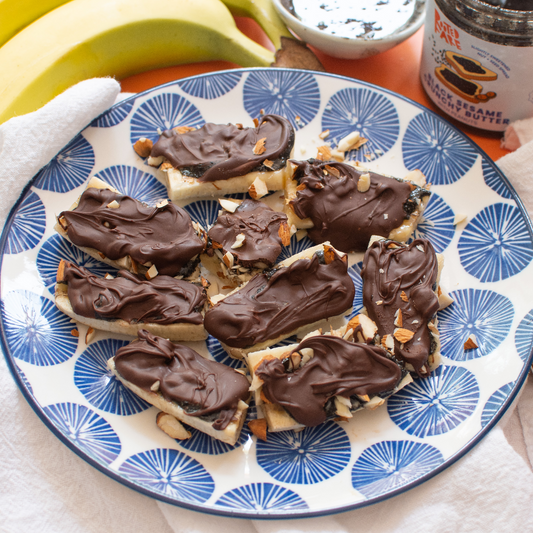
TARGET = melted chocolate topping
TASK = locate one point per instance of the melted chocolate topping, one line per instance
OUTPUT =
(163, 236)
(200, 386)
(260, 226)
(338, 367)
(387, 273)
(163, 300)
(219, 152)
(340, 213)
(277, 303)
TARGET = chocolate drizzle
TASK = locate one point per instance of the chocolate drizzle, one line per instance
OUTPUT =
(163, 300)
(260, 226)
(219, 152)
(338, 367)
(340, 213)
(163, 236)
(397, 276)
(270, 305)
(200, 386)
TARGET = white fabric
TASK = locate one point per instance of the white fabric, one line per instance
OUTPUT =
(45, 487)
(517, 134)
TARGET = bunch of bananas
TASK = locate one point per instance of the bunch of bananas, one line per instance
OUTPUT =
(48, 45)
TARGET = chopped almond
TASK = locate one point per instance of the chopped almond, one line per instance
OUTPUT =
(228, 259)
(471, 343)
(184, 129)
(143, 147)
(113, 205)
(403, 335)
(259, 428)
(172, 426)
(404, 296)
(346, 143)
(284, 234)
(399, 321)
(89, 336)
(329, 254)
(162, 203)
(264, 398)
(301, 187)
(74, 332)
(258, 189)
(259, 147)
(256, 122)
(165, 166)
(269, 164)
(60, 278)
(363, 184)
(332, 170)
(151, 273)
(239, 241)
(324, 134)
(324, 153)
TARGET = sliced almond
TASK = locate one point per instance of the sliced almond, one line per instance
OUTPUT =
(113, 205)
(259, 428)
(471, 343)
(151, 273)
(363, 184)
(341, 408)
(143, 147)
(239, 240)
(258, 189)
(172, 426)
(259, 147)
(403, 335)
(284, 234)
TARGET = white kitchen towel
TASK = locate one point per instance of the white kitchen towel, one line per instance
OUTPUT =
(45, 487)
(517, 134)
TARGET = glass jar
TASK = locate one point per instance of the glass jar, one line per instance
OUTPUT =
(477, 61)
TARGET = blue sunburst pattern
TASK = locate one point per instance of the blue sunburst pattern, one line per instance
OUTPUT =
(388, 465)
(205, 212)
(370, 113)
(164, 111)
(262, 497)
(293, 95)
(135, 183)
(435, 405)
(295, 247)
(170, 473)
(495, 402)
(436, 224)
(87, 430)
(220, 355)
(210, 87)
(495, 244)
(99, 386)
(494, 181)
(56, 248)
(310, 456)
(24, 379)
(441, 153)
(69, 168)
(37, 332)
(28, 225)
(355, 273)
(114, 116)
(524, 336)
(201, 443)
(486, 314)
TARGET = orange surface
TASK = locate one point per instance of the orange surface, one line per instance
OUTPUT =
(396, 70)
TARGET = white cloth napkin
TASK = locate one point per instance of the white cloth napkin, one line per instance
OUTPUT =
(45, 487)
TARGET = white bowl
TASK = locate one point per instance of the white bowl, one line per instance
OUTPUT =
(346, 47)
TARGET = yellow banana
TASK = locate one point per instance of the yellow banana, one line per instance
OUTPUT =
(15, 15)
(264, 13)
(87, 38)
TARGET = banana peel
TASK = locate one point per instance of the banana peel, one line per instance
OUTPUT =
(95, 38)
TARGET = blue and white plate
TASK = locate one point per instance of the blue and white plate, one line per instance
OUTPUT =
(337, 466)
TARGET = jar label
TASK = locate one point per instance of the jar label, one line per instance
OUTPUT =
(480, 83)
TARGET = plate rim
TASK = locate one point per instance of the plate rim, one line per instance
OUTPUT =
(262, 515)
